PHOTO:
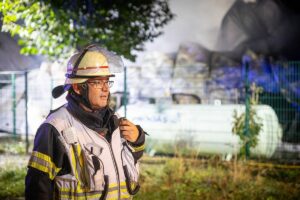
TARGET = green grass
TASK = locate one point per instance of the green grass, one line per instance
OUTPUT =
(179, 178)
(13, 163)
(12, 182)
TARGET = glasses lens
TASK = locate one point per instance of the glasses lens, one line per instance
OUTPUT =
(100, 85)
(110, 83)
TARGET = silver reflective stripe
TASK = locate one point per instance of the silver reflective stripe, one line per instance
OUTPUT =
(128, 160)
(66, 182)
(43, 163)
(83, 194)
(110, 157)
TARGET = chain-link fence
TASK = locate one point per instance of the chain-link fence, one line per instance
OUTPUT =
(25, 101)
(275, 84)
(194, 103)
(273, 90)
(282, 93)
(13, 102)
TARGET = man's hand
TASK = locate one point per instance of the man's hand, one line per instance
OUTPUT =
(129, 130)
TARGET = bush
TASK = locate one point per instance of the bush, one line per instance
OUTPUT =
(254, 128)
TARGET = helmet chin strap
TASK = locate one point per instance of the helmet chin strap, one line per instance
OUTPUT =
(84, 90)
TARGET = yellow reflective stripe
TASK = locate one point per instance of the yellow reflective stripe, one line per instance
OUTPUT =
(79, 195)
(123, 183)
(139, 148)
(125, 197)
(41, 168)
(112, 185)
(122, 197)
(133, 184)
(97, 196)
(43, 163)
(74, 196)
(116, 184)
(125, 194)
(45, 158)
(69, 193)
(75, 165)
(80, 155)
(124, 190)
(116, 190)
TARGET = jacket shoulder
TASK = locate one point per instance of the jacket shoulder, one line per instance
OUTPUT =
(59, 118)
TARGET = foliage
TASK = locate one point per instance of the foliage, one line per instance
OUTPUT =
(254, 129)
(239, 127)
(56, 27)
(12, 183)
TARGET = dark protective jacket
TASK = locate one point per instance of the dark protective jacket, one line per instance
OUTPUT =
(51, 160)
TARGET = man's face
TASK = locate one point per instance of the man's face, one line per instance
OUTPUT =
(98, 92)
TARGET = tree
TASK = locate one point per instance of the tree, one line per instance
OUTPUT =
(54, 28)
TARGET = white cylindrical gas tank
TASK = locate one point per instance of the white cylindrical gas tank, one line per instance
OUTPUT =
(205, 128)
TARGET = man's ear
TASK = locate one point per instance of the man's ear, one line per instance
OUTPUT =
(75, 87)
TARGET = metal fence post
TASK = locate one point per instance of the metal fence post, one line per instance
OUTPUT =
(125, 91)
(26, 110)
(247, 111)
(14, 103)
(51, 86)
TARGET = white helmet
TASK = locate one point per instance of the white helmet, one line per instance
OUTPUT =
(93, 61)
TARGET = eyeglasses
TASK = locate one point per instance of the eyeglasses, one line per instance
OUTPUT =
(97, 84)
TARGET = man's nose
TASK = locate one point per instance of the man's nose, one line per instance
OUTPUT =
(105, 87)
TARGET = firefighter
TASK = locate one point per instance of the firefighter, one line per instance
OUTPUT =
(84, 150)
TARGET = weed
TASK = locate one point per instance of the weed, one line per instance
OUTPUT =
(181, 178)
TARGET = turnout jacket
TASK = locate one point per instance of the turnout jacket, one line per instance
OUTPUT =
(72, 161)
